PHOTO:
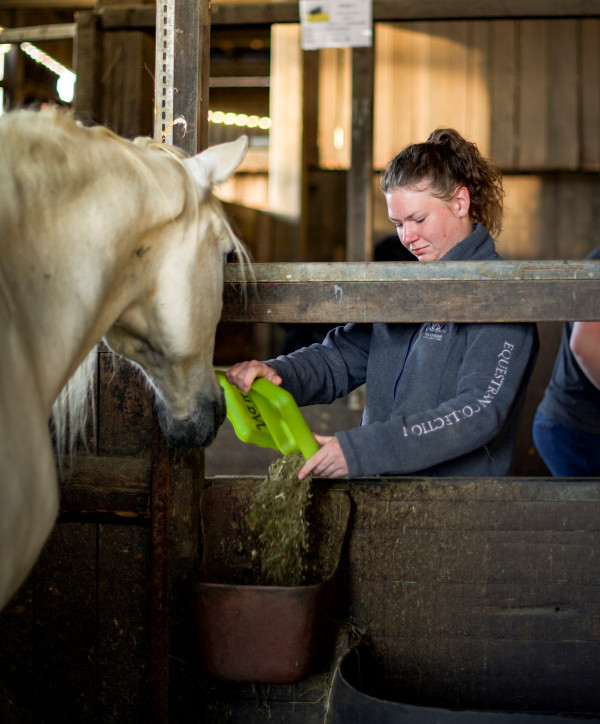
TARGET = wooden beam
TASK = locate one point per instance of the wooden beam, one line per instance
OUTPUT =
(181, 88)
(190, 38)
(87, 54)
(107, 488)
(256, 13)
(47, 4)
(499, 291)
(359, 211)
(285, 139)
(481, 9)
(160, 581)
(203, 74)
(38, 33)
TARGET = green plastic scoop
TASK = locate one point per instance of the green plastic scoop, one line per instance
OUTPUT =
(267, 416)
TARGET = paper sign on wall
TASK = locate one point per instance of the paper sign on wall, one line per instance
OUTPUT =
(336, 24)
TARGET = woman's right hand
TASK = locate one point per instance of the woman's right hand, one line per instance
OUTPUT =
(243, 374)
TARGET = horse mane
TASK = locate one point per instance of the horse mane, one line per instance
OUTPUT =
(73, 407)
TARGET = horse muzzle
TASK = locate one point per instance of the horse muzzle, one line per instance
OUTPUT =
(197, 430)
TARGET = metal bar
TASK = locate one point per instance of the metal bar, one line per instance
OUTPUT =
(164, 65)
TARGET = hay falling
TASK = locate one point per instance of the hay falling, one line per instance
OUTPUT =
(278, 518)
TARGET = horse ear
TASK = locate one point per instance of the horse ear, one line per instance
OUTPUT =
(217, 163)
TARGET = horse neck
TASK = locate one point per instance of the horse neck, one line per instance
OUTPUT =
(73, 298)
(60, 326)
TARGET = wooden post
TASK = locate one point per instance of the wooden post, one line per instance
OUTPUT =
(160, 580)
(191, 74)
(360, 175)
(182, 73)
(86, 57)
(286, 114)
(310, 149)
(181, 106)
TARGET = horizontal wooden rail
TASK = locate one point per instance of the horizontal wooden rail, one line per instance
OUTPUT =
(38, 33)
(118, 489)
(114, 489)
(267, 13)
(505, 291)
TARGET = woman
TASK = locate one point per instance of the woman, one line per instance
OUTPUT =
(441, 399)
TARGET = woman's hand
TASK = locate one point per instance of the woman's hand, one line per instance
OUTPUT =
(328, 462)
(243, 374)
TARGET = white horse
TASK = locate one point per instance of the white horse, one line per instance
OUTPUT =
(100, 238)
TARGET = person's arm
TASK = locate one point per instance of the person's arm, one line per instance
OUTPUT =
(321, 373)
(585, 345)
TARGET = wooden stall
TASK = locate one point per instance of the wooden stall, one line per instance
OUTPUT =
(479, 593)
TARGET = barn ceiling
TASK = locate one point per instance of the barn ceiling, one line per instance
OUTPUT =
(47, 4)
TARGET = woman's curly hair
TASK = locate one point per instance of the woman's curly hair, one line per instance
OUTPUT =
(446, 161)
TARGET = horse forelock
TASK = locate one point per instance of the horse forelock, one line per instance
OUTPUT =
(224, 230)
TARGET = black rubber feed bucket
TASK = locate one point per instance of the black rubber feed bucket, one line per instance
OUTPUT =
(353, 701)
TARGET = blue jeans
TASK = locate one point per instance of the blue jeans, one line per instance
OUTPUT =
(567, 452)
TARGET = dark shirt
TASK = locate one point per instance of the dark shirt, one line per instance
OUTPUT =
(570, 398)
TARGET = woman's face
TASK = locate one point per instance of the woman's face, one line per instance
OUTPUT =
(427, 226)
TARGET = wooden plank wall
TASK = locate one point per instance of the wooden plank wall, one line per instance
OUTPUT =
(76, 637)
(479, 594)
(526, 91)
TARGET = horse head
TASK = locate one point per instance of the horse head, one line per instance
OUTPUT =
(169, 327)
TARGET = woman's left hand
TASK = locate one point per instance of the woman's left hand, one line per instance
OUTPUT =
(328, 462)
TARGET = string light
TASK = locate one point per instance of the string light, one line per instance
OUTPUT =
(239, 119)
(65, 85)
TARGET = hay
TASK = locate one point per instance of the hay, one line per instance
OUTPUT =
(278, 519)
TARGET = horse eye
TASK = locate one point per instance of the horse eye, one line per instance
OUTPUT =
(227, 258)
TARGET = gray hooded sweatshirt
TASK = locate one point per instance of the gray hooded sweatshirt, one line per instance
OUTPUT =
(442, 399)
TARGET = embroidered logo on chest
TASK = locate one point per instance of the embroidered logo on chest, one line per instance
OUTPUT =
(435, 331)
